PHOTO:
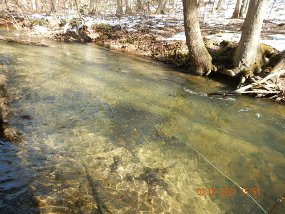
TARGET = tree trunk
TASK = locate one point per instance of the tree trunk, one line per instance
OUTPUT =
(77, 7)
(201, 3)
(246, 53)
(119, 10)
(38, 5)
(244, 7)
(128, 7)
(34, 5)
(200, 59)
(161, 7)
(52, 6)
(220, 5)
(237, 9)
(93, 5)
(139, 6)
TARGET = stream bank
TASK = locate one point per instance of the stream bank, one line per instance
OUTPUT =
(6, 132)
(161, 39)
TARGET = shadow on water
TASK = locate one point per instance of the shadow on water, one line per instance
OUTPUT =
(15, 194)
(110, 134)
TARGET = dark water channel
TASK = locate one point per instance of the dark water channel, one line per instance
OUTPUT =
(108, 133)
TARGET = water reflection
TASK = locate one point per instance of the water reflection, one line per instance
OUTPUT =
(112, 134)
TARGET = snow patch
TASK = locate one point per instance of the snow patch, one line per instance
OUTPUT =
(41, 29)
(178, 37)
(277, 41)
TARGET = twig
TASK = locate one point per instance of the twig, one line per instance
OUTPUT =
(265, 86)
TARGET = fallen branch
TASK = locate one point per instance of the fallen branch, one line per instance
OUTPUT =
(224, 94)
(271, 75)
(259, 91)
(22, 42)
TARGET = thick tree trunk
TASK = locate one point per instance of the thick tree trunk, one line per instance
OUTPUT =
(244, 7)
(237, 9)
(200, 59)
(246, 52)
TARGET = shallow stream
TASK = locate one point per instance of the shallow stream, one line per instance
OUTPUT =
(107, 133)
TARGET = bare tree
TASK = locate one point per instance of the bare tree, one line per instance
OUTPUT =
(220, 5)
(237, 9)
(93, 5)
(244, 7)
(38, 5)
(200, 59)
(201, 3)
(246, 53)
(128, 7)
(161, 7)
(139, 6)
(52, 6)
(119, 10)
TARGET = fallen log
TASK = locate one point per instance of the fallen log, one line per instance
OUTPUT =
(22, 42)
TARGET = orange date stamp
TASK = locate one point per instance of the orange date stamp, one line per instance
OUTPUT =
(228, 191)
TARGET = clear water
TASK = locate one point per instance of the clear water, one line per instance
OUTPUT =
(109, 133)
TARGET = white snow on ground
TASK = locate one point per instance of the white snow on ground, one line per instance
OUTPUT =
(277, 42)
(275, 11)
(41, 29)
(38, 16)
(178, 37)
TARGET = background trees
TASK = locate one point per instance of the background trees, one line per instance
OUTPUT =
(237, 9)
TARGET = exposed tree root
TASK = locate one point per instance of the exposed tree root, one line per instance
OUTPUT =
(270, 84)
(263, 79)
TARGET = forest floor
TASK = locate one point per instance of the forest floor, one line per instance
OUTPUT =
(160, 37)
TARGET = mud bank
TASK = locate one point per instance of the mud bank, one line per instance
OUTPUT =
(6, 132)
